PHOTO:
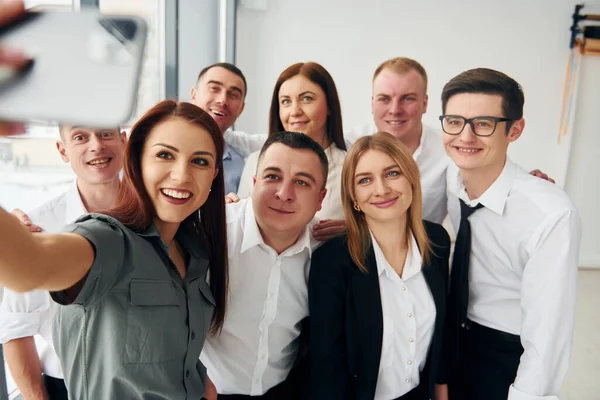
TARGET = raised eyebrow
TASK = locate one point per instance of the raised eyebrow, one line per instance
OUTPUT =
(306, 92)
(391, 167)
(197, 153)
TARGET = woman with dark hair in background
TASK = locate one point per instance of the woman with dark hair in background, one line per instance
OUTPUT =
(305, 99)
(377, 296)
(133, 280)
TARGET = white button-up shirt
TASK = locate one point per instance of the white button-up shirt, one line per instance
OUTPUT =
(408, 319)
(332, 203)
(523, 271)
(268, 299)
(32, 313)
(432, 160)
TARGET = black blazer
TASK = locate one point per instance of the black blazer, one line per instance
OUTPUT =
(346, 320)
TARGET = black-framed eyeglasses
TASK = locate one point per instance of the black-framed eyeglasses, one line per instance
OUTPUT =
(481, 126)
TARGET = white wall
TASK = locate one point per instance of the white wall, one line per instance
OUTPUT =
(583, 178)
(527, 39)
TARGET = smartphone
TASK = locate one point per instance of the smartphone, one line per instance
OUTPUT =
(85, 71)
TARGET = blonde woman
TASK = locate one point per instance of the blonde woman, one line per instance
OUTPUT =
(377, 296)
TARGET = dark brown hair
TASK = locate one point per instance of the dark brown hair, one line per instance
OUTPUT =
(229, 67)
(296, 140)
(488, 81)
(319, 75)
(135, 210)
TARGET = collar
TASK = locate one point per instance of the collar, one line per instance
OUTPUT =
(226, 152)
(495, 197)
(419, 149)
(335, 155)
(74, 204)
(185, 240)
(412, 265)
(252, 236)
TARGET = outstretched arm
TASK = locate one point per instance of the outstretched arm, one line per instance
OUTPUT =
(41, 261)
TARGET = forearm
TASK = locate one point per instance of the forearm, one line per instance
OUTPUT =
(440, 392)
(40, 261)
(18, 254)
(24, 366)
(243, 142)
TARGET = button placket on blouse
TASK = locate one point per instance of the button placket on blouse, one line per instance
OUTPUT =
(412, 323)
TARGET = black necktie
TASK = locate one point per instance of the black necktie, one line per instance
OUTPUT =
(459, 278)
(458, 300)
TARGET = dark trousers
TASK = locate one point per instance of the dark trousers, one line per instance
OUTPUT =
(283, 391)
(56, 388)
(489, 363)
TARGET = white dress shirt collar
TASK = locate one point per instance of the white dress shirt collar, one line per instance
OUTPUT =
(412, 265)
(422, 140)
(495, 197)
(252, 236)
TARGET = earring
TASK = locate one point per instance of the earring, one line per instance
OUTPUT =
(356, 207)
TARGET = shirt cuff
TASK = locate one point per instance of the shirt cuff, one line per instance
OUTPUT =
(18, 325)
(516, 394)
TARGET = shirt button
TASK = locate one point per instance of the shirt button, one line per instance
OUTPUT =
(409, 315)
(193, 335)
(187, 373)
(409, 362)
(410, 340)
(407, 381)
(403, 288)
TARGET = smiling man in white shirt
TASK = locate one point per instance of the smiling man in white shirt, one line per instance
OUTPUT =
(96, 157)
(510, 328)
(270, 246)
(398, 103)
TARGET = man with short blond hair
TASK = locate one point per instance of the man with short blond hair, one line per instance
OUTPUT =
(398, 103)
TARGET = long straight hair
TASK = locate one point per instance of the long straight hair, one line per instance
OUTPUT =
(135, 210)
(319, 75)
(359, 238)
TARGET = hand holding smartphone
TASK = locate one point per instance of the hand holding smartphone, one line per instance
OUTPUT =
(84, 68)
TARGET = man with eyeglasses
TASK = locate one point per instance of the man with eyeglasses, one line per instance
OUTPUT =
(513, 284)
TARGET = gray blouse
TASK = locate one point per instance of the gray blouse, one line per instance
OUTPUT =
(136, 328)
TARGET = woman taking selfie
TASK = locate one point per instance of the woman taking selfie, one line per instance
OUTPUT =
(132, 282)
(377, 296)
